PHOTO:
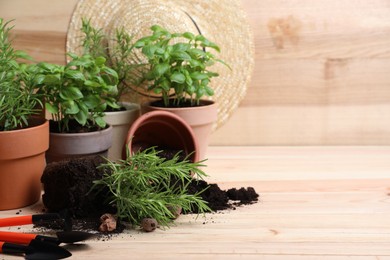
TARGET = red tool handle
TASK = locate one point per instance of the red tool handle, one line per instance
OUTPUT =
(17, 238)
(16, 221)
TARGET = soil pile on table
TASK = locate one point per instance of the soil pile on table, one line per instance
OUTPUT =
(67, 187)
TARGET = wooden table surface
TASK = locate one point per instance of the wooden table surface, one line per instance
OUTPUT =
(315, 203)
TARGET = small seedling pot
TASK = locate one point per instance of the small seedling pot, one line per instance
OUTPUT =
(162, 129)
(22, 161)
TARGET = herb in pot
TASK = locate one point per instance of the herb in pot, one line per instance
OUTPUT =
(78, 92)
(19, 100)
(181, 68)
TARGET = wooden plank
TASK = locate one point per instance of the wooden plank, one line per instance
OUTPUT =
(306, 125)
(319, 203)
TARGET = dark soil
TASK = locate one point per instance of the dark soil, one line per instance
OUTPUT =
(67, 187)
(74, 127)
(221, 199)
(186, 103)
(110, 109)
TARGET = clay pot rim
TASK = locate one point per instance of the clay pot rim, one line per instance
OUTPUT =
(37, 123)
(208, 103)
(108, 128)
(133, 107)
(158, 113)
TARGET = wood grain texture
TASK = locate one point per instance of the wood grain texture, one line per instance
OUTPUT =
(315, 203)
(321, 76)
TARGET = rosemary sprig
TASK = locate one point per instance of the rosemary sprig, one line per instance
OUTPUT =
(148, 186)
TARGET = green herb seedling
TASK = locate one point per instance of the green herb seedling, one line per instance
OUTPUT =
(147, 186)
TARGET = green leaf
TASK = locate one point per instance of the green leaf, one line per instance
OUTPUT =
(22, 55)
(71, 107)
(180, 55)
(100, 61)
(81, 117)
(149, 50)
(91, 101)
(165, 85)
(197, 53)
(74, 74)
(91, 83)
(71, 93)
(209, 91)
(181, 46)
(178, 77)
(139, 44)
(200, 92)
(198, 75)
(48, 66)
(52, 79)
(100, 122)
(51, 109)
(189, 36)
(160, 69)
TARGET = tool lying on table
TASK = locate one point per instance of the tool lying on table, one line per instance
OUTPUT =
(35, 250)
(35, 246)
(37, 219)
(68, 237)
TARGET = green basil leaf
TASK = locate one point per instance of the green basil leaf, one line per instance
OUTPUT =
(92, 101)
(160, 69)
(81, 117)
(198, 75)
(74, 74)
(180, 55)
(178, 77)
(51, 109)
(71, 93)
(71, 107)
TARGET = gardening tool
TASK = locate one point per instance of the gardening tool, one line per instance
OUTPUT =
(38, 219)
(35, 250)
(61, 237)
(28, 219)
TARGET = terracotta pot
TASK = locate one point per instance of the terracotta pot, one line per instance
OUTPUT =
(162, 129)
(71, 145)
(22, 161)
(200, 118)
(121, 122)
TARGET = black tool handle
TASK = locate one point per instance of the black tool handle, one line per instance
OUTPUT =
(45, 217)
(10, 248)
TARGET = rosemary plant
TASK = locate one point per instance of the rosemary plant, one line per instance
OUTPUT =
(95, 43)
(19, 100)
(148, 186)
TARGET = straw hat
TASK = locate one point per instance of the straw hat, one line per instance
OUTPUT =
(220, 21)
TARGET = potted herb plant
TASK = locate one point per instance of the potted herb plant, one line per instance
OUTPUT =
(76, 96)
(177, 69)
(24, 137)
(95, 43)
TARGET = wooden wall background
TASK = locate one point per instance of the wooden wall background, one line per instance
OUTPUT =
(321, 77)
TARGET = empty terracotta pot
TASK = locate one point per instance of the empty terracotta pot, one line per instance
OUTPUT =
(22, 161)
(164, 130)
(199, 118)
